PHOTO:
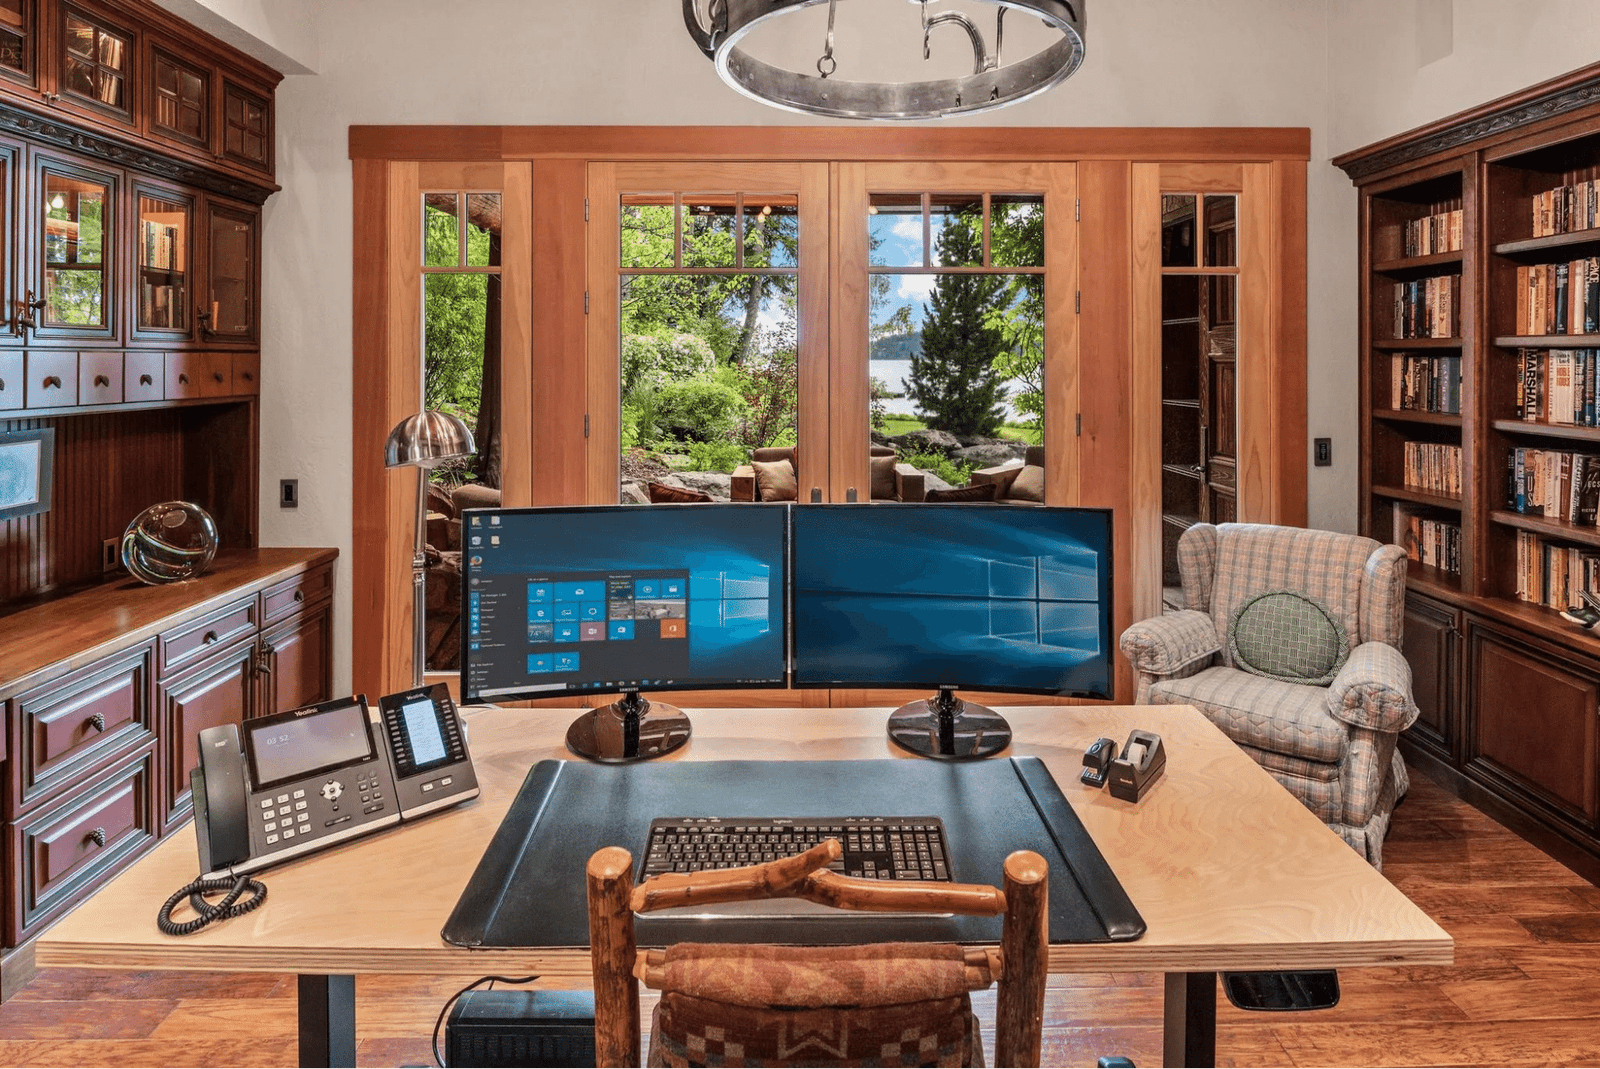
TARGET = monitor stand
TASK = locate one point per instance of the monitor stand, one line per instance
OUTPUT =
(948, 729)
(631, 729)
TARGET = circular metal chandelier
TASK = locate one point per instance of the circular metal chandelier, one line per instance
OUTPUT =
(992, 83)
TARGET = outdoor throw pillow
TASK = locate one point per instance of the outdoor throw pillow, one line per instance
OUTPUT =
(775, 480)
(1288, 637)
(1028, 485)
(883, 479)
(664, 493)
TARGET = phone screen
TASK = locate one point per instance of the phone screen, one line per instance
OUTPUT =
(293, 748)
(422, 728)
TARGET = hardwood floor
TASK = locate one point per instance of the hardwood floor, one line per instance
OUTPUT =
(1523, 991)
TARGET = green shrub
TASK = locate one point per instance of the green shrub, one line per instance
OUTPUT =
(698, 410)
(952, 472)
(717, 456)
(662, 356)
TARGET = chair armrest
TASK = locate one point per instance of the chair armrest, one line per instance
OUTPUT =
(1165, 645)
(742, 484)
(1373, 689)
(1002, 475)
(908, 483)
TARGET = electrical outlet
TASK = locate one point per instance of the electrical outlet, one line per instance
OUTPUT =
(289, 493)
(1322, 454)
(110, 555)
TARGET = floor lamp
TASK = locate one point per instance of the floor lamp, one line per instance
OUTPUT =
(424, 441)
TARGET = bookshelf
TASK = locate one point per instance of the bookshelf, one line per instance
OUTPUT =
(1480, 441)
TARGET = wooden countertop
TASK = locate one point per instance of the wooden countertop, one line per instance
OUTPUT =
(66, 632)
(1228, 870)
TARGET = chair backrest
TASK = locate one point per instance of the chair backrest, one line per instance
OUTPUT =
(1359, 580)
(727, 1003)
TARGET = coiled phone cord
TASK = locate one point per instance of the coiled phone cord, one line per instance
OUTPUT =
(230, 906)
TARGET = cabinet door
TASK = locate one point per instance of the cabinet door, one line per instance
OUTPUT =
(163, 264)
(1432, 631)
(246, 127)
(12, 259)
(19, 41)
(298, 661)
(75, 272)
(221, 690)
(179, 98)
(1533, 715)
(232, 253)
(95, 64)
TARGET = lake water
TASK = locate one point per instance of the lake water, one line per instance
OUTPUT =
(895, 372)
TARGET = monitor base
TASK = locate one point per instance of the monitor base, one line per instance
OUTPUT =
(631, 729)
(948, 729)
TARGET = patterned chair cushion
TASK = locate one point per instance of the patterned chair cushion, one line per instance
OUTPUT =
(1288, 637)
(1261, 713)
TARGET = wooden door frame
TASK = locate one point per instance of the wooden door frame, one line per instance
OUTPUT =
(554, 170)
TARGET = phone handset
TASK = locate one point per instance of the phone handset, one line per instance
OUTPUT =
(220, 789)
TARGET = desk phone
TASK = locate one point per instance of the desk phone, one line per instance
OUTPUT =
(297, 782)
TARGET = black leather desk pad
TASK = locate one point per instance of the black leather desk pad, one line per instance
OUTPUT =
(529, 889)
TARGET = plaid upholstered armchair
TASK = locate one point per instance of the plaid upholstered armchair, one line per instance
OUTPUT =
(1290, 645)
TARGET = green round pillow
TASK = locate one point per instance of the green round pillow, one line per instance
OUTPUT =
(1288, 637)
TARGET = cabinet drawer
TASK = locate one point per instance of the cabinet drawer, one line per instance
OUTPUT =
(66, 727)
(209, 634)
(246, 374)
(286, 597)
(10, 381)
(99, 378)
(65, 851)
(52, 380)
(144, 377)
(198, 375)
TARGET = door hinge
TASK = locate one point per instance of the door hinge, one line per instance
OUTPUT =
(1077, 210)
(1079, 424)
(586, 209)
(585, 302)
(1077, 302)
(586, 424)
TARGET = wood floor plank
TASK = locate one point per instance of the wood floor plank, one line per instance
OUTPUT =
(1571, 928)
(227, 1050)
(64, 985)
(126, 1019)
(1517, 901)
(1402, 1043)
(1530, 1000)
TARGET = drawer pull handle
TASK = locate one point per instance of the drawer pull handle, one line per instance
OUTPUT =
(52, 380)
(99, 836)
(208, 638)
(218, 376)
(101, 380)
(146, 380)
(248, 376)
(299, 595)
(183, 379)
(98, 721)
(2, 384)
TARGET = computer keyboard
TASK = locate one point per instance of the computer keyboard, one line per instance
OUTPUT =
(876, 848)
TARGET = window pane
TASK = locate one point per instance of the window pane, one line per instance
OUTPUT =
(957, 374)
(1222, 235)
(1177, 231)
(13, 49)
(441, 236)
(956, 228)
(771, 231)
(709, 229)
(80, 77)
(80, 37)
(483, 230)
(1016, 231)
(648, 231)
(708, 374)
(894, 230)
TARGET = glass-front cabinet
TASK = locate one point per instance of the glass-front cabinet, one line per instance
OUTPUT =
(180, 99)
(74, 284)
(163, 258)
(19, 51)
(96, 68)
(233, 232)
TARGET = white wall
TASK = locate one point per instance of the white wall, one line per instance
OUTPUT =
(1150, 63)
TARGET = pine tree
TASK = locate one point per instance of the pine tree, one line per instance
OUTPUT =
(953, 380)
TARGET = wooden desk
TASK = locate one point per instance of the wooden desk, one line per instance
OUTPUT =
(1229, 871)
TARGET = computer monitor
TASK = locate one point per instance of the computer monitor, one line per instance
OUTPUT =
(568, 601)
(977, 596)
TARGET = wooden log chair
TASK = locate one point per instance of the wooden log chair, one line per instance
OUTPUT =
(871, 1004)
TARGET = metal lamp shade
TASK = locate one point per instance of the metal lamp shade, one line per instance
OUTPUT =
(426, 439)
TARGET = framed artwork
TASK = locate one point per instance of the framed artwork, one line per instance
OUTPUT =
(26, 458)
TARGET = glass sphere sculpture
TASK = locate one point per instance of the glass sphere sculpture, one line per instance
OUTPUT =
(169, 542)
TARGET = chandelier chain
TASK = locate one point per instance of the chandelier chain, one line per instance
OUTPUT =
(827, 47)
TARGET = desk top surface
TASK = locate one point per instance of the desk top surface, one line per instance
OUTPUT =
(1228, 870)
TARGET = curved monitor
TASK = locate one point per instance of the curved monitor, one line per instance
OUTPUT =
(980, 596)
(563, 601)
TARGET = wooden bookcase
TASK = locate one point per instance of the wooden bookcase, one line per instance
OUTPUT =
(1509, 690)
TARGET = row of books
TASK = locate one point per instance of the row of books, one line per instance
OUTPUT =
(1435, 543)
(1554, 484)
(1551, 574)
(1423, 383)
(1439, 232)
(162, 307)
(1566, 208)
(1428, 307)
(1433, 467)
(1558, 386)
(160, 246)
(1559, 298)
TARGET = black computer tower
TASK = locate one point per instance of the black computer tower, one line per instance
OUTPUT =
(509, 1028)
